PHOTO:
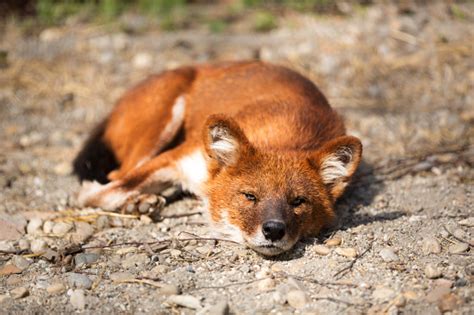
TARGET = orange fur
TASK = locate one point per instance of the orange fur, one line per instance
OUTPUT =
(248, 130)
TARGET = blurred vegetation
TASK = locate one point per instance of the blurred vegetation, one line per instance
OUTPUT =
(168, 14)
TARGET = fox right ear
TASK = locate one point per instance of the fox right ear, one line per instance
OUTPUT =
(224, 140)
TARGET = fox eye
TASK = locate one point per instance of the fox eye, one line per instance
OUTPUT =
(298, 201)
(250, 197)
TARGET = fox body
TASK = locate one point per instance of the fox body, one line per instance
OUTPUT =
(257, 142)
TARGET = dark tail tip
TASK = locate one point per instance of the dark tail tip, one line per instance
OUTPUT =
(96, 159)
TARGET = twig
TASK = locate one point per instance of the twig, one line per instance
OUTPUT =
(141, 281)
(232, 284)
(352, 263)
(457, 238)
(175, 216)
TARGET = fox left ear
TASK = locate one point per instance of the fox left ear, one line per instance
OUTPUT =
(338, 160)
(224, 140)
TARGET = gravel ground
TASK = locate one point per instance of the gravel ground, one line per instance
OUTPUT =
(404, 241)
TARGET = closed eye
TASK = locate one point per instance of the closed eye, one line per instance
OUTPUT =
(298, 201)
(249, 196)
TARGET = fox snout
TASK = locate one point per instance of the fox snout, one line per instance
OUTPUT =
(274, 230)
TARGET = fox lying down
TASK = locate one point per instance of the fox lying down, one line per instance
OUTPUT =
(257, 142)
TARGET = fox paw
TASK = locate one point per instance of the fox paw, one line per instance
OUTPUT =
(144, 204)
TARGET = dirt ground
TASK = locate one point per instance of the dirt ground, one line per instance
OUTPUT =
(404, 81)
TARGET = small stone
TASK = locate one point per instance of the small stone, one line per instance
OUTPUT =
(467, 222)
(458, 248)
(263, 273)
(80, 281)
(61, 228)
(277, 267)
(34, 226)
(175, 253)
(279, 297)
(383, 294)
(9, 270)
(444, 283)
(78, 299)
(431, 245)
(135, 260)
(335, 241)
(142, 60)
(187, 301)
(399, 301)
(48, 227)
(449, 302)
(437, 294)
(10, 230)
(266, 284)
(83, 232)
(19, 293)
(321, 250)
(85, 258)
(121, 276)
(220, 308)
(145, 219)
(347, 252)
(102, 222)
(21, 262)
(38, 246)
(14, 280)
(388, 255)
(432, 272)
(296, 298)
(169, 289)
(56, 288)
(6, 246)
(459, 233)
(23, 244)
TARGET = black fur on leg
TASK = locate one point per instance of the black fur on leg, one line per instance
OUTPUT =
(95, 160)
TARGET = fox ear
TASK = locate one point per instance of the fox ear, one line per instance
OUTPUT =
(338, 160)
(224, 140)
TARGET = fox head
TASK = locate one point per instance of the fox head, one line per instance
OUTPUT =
(268, 200)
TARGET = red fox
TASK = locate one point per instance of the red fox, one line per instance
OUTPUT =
(257, 142)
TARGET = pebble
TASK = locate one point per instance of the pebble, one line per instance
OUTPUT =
(19, 293)
(432, 272)
(220, 308)
(279, 297)
(56, 288)
(169, 289)
(459, 233)
(437, 294)
(62, 228)
(263, 273)
(467, 222)
(187, 301)
(347, 252)
(296, 298)
(102, 222)
(431, 245)
(38, 245)
(78, 299)
(388, 255)
(9, 269)
(399, 301)
(458, 248)
(266, 284)
(121, 276)
(34, 226)
(80, 281)
(23, 244)
(85, 258)
(383, 294)
(321, 250)
(444, 283)
(136, 260)
(449, 302)
(6, 246)
(48, 227)
(335, 241)
(142, 60)
(83, 232)
(21, 262)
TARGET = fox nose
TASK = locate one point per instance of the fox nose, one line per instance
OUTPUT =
(273, 230)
